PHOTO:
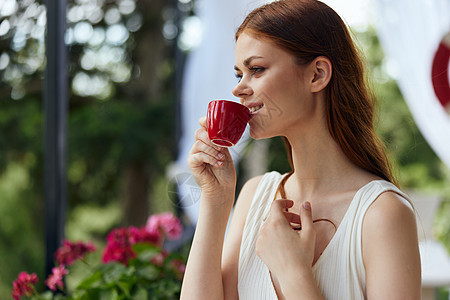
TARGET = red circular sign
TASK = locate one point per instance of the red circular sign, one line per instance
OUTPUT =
(439, 72)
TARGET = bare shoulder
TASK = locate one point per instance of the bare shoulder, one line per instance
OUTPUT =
(389, 208)
(390, 249)
(250, 186)
(390, 218)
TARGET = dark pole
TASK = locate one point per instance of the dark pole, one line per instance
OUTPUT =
(55, 110)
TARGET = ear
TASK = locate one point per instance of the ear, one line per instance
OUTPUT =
(321, 70)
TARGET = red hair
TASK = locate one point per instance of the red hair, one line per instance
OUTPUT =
(308, 29)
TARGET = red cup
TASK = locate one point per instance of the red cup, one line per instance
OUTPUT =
(226, 121)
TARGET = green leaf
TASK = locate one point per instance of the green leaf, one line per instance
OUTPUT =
(112, 272)
(91, 281)
(90, 294)
(48, 295)
(58, 297)
(140, 294)
(126, 286)
(109, 295)
(140, 247)
(150, 272)
(147, 255)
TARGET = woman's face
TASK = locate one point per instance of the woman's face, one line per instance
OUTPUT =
(273, 86)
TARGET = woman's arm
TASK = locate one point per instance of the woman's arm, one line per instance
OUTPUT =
(231, 249)
(390, 249)
(211, 271)
(214, 172)
(204, 259)
(203, 275)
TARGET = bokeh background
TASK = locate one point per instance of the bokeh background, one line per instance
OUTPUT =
(126, 64)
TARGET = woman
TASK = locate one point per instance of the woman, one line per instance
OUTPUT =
(346, 231)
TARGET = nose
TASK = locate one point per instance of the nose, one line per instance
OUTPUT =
(242, 90)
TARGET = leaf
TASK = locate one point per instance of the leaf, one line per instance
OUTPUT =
(146, 251)
(147, 255)
(140, 294)
(90, 294)
(150, 272)
(48, 295)
(125, 287)
(92, 281)
(109, 295)
(112, 272)
(58, 297)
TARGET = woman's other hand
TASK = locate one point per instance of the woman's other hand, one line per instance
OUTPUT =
(286, 252)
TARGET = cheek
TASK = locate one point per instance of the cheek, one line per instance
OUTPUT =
(284, 98)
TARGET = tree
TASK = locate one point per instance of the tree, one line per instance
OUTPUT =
(121, 118)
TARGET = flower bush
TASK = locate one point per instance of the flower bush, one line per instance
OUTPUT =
(134, 266)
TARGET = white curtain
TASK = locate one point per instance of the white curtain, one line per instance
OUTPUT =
(410, 32)
(209, 75)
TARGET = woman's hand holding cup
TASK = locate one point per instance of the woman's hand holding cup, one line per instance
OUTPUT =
(210, 161)
(211, 165)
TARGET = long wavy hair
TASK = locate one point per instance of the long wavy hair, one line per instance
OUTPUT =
(308, 29)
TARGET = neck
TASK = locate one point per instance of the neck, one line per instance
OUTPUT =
(319, 163)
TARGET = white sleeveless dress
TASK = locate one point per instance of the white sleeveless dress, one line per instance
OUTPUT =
(339, 271)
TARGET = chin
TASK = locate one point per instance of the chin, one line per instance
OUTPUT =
(259, 134)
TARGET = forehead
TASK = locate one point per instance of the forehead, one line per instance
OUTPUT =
(249, 45)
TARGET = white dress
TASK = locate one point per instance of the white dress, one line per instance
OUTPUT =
(339, 271)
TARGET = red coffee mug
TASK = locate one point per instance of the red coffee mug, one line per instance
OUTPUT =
(226, 121)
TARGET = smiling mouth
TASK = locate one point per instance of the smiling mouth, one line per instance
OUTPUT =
(254, 109)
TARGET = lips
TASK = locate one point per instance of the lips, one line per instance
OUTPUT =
(254, 108)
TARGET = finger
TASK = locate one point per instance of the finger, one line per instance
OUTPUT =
(198, 159)
(202, 134)
(283, 203)
(200, 146)
(279, 206)
(202, 122)
(307, 222)
(292, 218)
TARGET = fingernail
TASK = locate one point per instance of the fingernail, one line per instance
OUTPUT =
(219, 163)
(221, 156)
(307, 205)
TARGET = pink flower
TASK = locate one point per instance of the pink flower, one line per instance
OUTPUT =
(118, 248)
(118, 235)
(165, 223)
(55, 280)
(141, 235)
(120, 241)
(71, 251)
(24, 285)
(119, 252)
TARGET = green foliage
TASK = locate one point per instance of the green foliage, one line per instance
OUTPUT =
(21, 232)
(134, 264)
(103, 135)
(277, 156)
(442, 224)
(21, 131)
(417, 164)
(139, 280)
(106, 135)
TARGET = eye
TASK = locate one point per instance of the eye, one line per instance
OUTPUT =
(255, 70)
(238, 76)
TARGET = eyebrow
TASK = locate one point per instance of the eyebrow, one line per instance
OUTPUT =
(248, 60)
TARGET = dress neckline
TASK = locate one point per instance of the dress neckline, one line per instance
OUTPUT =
(339, 229)
(344, 218)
